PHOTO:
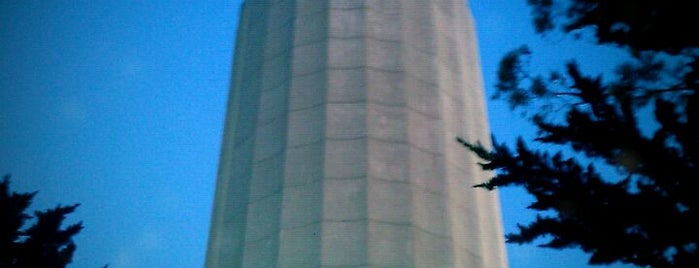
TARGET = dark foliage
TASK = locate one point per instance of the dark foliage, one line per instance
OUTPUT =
(641, 25)
(42, 245)
(643, 211)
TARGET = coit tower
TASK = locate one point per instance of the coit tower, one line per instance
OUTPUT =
(339, 146)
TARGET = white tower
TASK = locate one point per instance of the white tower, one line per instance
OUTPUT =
(339, 143)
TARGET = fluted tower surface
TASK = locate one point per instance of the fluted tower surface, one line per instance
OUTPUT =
(339, 143)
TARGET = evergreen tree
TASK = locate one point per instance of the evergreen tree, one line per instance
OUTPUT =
(643, 213)
(44, 244)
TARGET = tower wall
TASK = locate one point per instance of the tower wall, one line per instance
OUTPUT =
(339, 141)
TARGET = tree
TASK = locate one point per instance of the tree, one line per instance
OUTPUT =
(43, 244)
(643, 212)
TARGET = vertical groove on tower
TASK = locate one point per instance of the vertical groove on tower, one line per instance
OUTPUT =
(302, 203)
(389, 192)
(266, 195)
(345, 233)
(460, 196)
(432, 232)
(232, 190)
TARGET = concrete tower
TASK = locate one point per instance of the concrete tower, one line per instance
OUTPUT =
(339, 143)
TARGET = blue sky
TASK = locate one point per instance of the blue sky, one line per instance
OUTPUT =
(119, 105)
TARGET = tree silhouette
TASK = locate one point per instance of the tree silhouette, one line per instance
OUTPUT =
(643, 212)
(44, 244)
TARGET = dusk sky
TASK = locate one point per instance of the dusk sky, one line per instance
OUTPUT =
(119, 106)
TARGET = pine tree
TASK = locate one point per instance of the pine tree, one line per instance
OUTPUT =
(643, 213)
(45, 244)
